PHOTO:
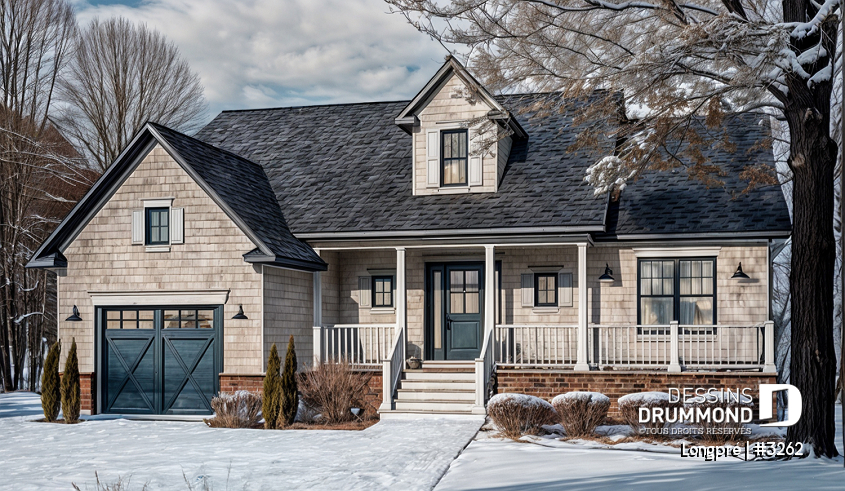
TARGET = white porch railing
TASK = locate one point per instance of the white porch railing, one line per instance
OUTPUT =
(519, 344)
(358, 344)
(392, 367)
(670, 346)
(484, 370)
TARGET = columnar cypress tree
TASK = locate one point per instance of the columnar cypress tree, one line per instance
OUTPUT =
(290, 398)
(51, 397)
(71, 400)
(272, 386)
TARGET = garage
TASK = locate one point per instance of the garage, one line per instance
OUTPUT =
(159, 360)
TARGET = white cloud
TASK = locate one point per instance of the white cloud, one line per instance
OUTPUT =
(260, 53)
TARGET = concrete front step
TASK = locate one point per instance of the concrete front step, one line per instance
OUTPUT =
(436, 385)
(433, 406)
(436, 394)
(450, 376)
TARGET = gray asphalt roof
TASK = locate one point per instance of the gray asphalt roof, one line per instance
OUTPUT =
(229, 176)
(347, 168)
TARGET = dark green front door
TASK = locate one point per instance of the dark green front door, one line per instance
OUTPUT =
(160, 360)
(456, 299)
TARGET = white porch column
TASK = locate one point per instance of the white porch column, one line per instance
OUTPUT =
(674, 348)
(769, 348)
(318, 318)
(401, 294)
(581, 361)
(489, 288)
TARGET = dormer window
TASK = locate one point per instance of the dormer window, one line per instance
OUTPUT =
(158, 226)
(453, 157)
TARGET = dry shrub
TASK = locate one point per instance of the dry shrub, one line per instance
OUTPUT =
(241, 409)
(519, 414)
(629, 408)
(724, 431)
(334, 389)
(581, 412)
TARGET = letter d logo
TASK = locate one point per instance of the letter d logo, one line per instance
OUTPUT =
(793, 407)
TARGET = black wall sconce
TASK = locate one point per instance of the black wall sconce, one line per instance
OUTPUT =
(607, 277)
(738, 274)
(75, 317)
(240, 314)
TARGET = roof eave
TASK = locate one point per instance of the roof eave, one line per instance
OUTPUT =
(49, 261)
(285, 262)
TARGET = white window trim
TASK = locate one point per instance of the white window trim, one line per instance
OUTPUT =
(557, 270)
(166, 202)
(371, 272)
(674, 252)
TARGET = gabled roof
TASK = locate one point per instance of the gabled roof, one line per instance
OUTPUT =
(238, 186)
(340, 180)
(333, 177)
(407, 117)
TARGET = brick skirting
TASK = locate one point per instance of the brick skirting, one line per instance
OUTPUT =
(87, 393)
(615, 384)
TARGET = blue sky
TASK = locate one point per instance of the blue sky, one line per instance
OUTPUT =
(266, 53)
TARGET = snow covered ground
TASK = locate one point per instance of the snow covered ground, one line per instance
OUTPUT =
(389, 455)
(491, 463)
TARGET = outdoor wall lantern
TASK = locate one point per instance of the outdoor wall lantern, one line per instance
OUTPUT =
(75, 317)
(738, 274)
(240, 314)
(607, 277)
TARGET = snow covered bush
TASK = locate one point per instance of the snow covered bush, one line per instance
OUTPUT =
(581, 412)
(629, 408)
(724, 411)
(519, 414)
(241, 409)
(334, 389)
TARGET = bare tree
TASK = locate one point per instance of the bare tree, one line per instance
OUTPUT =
(121, 76)
(674, 62)
(39, 175)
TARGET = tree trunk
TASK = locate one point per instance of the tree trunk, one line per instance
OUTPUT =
(813, 367)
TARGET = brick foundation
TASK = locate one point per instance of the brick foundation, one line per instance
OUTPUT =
(233, 382)
(87, 393)
(549, 383)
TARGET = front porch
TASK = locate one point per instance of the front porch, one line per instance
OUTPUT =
(566, 338)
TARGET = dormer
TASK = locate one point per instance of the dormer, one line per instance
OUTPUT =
(461, 135)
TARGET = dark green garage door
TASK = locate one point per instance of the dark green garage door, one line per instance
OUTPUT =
(160, 360)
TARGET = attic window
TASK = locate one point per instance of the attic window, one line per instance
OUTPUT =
(158, 226)
(453, 160)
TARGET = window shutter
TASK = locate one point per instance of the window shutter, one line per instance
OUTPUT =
(177, 225)
(137, 226)
(565, 282)
(432, 152)
(475, 168)
(528, 290)
(364, 291)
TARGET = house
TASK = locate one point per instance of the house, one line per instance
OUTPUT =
(379, 232)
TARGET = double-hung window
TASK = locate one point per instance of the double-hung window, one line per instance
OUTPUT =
(158, 226)
(453, 157)
(682, 290)
(545, 289)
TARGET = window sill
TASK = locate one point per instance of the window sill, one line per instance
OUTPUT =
(165, 248)
(546, 310)
(382, 310)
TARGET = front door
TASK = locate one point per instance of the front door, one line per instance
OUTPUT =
(455, 315)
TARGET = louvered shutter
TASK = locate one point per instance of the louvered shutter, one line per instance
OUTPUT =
(565, 281)
(364, 291)
(177, 225)
(432, 152)
(137, 226)
(528, 290)
(475, 168)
